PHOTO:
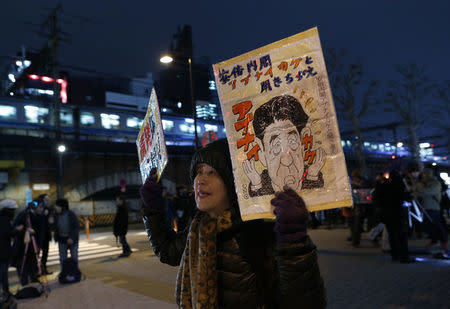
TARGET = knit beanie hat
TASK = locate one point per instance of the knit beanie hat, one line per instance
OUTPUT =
(217, 155)
(9, 204)
(63, 203)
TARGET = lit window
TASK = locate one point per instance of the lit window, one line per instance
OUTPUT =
(189, 120)
(186, 128)
(167, 125)
(8, 112)
(210, 127)
(110, 121)
(66, 117)
(87, 119)
(134, 122)
(34, 114)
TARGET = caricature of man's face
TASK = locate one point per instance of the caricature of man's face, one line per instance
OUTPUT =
(283, 155)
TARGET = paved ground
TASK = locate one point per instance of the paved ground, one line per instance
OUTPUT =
(355, 277)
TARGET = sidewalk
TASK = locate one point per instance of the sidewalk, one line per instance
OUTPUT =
(354, 277)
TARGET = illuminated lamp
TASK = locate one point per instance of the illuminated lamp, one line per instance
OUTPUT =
(63, 91)
(46, 79)
(393, 157)
(33, 76)
(166, 59)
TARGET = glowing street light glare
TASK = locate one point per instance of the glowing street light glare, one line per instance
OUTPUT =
(166, 59)
(61, 148)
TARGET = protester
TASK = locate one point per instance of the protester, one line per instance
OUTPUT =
(357, 182)
(183, 208)
(395, 217)
(225, 262)
(7, 209)
(44, 214)
(66, 229)
(26, 244)
(120, 226)
(169, 211)
(428, 190)
(410, 179)
(378, 195)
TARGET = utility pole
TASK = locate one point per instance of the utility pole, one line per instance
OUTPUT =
(51, 23)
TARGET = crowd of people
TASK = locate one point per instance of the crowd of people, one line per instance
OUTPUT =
(224, 261)
(387, 211)
(25, 238)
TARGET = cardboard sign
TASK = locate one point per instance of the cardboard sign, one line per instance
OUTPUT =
(281, 126)
(150, 142)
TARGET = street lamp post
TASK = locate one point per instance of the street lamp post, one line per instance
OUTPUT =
(168, 59)
(60, 187)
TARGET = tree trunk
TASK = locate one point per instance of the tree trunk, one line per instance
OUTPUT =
(414, 145)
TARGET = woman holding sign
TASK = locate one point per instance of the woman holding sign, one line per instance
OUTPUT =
(226, 262)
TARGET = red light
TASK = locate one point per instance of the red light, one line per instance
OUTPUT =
(62, 82)
(393, 157)
(432, 145)
(368, 198)
(46, 79)
(63, 92)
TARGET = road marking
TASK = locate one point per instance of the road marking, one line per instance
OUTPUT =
(86, 251)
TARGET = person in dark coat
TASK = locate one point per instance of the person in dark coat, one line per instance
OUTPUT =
(226, 262)
(45, 215)
(183, 207)
(24, 256)
(66, 227)
(395, 216)
(7, 209)
(120, 226)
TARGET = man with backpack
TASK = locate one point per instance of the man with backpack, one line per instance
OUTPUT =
(66, 228)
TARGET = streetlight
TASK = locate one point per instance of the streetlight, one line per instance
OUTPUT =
(166, 59)
(61, 148)
(60, 189)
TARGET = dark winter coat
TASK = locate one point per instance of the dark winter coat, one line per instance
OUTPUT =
(18, 249)
(253, 272)
(74, 224)
(120, 227)
(5, 239)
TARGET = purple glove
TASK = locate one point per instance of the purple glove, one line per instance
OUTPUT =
(151, 193)
(291, 217)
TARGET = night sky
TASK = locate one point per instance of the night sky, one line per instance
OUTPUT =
(126, 38)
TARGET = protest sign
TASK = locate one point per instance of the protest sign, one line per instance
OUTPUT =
(281, 126)
(150, 142)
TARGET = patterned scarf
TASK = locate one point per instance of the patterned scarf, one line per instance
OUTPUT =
(197, 275)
